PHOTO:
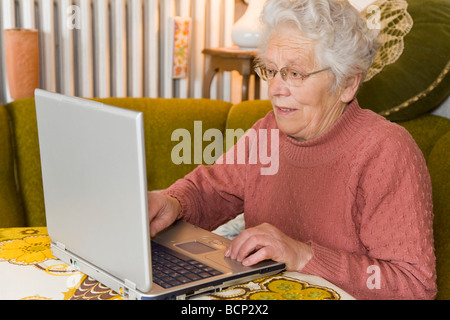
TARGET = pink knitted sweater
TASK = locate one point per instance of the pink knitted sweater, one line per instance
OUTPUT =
(360, 194)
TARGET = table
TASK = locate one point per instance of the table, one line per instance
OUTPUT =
(230, 59)
(28, 271)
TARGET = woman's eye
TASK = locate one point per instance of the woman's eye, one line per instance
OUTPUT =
(294, 74)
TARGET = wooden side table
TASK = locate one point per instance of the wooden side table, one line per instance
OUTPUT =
(230, 59)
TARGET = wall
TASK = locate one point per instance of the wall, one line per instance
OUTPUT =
(121, 47)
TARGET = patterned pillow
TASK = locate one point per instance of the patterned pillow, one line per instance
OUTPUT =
(410, 74)
(232, 228)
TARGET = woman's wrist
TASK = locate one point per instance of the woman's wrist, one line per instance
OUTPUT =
(176, 207)
(305, 253)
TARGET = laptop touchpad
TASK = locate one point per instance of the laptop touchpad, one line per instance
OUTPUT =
(195, 247)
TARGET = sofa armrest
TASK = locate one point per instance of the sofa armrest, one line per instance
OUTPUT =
(439, 168)
(11, 211)
(426, 131)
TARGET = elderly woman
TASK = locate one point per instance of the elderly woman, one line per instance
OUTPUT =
(351, 199)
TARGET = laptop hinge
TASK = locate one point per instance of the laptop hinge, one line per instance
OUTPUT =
(129, 291)
(60, 245)
(130, 285)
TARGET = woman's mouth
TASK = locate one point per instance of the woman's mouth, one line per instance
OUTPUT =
(284, 111)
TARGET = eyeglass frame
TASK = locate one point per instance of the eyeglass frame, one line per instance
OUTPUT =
(303, 77)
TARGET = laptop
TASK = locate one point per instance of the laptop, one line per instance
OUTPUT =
(95, 191)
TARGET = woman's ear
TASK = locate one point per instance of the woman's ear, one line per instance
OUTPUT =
(351, 89)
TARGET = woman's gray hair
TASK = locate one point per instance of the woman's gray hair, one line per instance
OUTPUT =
(343, 41)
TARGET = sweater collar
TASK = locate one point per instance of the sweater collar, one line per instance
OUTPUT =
(328, 145)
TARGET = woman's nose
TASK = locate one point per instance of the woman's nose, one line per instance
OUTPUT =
(277, 86)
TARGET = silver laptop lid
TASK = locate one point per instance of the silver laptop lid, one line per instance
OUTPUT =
(93, 168)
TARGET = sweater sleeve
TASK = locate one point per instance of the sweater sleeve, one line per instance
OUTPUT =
(210, 195)
(395, 219)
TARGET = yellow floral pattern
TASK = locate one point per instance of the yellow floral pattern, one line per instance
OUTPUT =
(36, 297)
(31, 247)
(277, 288)
(26, 251)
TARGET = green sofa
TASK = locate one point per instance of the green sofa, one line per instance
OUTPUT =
(21, 193)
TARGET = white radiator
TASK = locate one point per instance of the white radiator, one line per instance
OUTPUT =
(118, 48)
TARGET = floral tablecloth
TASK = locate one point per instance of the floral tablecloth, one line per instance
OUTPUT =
(29, 271)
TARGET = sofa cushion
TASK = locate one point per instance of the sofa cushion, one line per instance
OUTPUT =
(419, 80)
(244, 115)
(426, 131)
(11, 211)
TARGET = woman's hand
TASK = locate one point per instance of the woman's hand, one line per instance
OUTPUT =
(163, 210)
(267, 242)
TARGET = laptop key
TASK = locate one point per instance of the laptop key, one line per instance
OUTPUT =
(215, 272)
(192, 276)
(184, 279)
(204, 275)
(171, 270)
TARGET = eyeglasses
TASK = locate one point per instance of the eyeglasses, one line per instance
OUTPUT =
(291, 76)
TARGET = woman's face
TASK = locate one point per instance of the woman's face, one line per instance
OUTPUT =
(306, 111)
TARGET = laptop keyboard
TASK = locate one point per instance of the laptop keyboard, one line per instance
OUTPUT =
(172, 268)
